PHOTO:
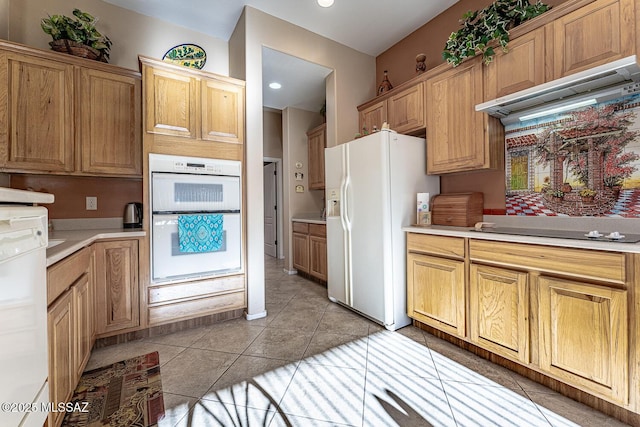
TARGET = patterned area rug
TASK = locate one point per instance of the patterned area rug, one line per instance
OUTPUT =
(127, 393)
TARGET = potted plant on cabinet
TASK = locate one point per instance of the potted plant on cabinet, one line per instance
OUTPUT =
(587, 195)
(77, 36)
(484, 29)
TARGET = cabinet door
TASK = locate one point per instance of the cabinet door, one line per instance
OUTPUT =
(62, 372)
(458, 137)
(83, 322)
(301, 252)
(36, 113)
(520, 68)
(110, 123)
(372, 116)
(117, 293)
(318, 257)
(435, 292)
(601, 32)
(317, 142)
(171, 100)
(222, 111)
(499, 311)
(406, 109)
(584, 336)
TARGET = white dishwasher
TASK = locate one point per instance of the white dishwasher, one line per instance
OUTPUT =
(23, 312)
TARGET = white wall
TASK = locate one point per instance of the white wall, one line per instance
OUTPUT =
(351, 83)
(295, 124)
(130, 32)
(272, 133)
(4, 19)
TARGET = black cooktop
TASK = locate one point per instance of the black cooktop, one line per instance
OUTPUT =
(560, 234)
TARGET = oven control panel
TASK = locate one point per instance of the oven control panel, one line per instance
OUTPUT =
(193, 165)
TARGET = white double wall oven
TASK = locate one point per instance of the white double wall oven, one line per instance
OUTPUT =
(188, 190)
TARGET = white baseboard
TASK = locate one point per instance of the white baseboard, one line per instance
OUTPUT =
(290, 272)
(255, 316)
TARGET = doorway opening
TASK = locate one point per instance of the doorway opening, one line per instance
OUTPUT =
(273, 212)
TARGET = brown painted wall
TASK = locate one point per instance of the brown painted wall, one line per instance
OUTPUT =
(400, 62)
(70, 193)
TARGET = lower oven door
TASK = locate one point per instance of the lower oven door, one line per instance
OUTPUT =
(170, 264)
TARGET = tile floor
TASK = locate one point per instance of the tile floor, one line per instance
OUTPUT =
(313, 363)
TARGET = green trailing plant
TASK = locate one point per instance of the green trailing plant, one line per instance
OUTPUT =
(80, 29)
(488, 28)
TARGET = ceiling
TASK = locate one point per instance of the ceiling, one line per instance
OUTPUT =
(368, 26)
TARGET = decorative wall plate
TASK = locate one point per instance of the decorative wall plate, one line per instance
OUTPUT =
(187, 55)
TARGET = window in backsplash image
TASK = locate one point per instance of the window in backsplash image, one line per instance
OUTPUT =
(584, 162)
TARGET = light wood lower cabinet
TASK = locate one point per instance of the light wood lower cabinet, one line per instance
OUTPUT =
(570, 314)
(499, 311)
(62, 367)
(310, 249)
(70, 325)
(436, 292)
(117, 292)
(435, 282)
(84, 331)
(584, 336)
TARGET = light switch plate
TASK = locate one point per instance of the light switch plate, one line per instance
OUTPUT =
(92, 203)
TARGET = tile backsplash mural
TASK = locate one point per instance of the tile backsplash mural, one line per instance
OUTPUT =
(579, 163)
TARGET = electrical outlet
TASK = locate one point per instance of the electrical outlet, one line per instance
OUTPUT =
(92, 203)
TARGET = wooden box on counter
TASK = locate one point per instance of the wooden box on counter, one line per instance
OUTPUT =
(458, 210)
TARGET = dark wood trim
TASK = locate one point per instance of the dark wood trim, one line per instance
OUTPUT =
(168, 328)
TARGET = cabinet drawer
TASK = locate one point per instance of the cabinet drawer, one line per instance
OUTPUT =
(64, 273)
(437, 245)
(195, 308)
(187, 290)
(319, 230)
(301, 227)
(599, 265)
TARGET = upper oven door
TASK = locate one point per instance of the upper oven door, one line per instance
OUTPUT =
(176, 192)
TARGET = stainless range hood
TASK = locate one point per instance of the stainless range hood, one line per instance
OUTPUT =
(598, 84)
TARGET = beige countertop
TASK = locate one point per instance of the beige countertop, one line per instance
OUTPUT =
(442, 230)
(311, 219)
(74, 240)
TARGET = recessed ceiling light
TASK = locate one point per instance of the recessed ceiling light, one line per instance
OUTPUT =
(275, 85)
(325, 3)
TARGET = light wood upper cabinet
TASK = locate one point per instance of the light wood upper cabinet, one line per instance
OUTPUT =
(372, 116)
(36, 113)
(194, 104)
(584, 336)
(520, 68)
(317, 141)
(600, 32)
(222, 111)
(117, 292)
(499, 311)
(110, 123)
(171, 99)
(65, 115)
(405, 109)
(459, 138)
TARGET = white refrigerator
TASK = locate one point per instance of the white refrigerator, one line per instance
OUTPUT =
(371, 187)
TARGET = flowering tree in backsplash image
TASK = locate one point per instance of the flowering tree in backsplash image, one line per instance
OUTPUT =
(587, 161)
